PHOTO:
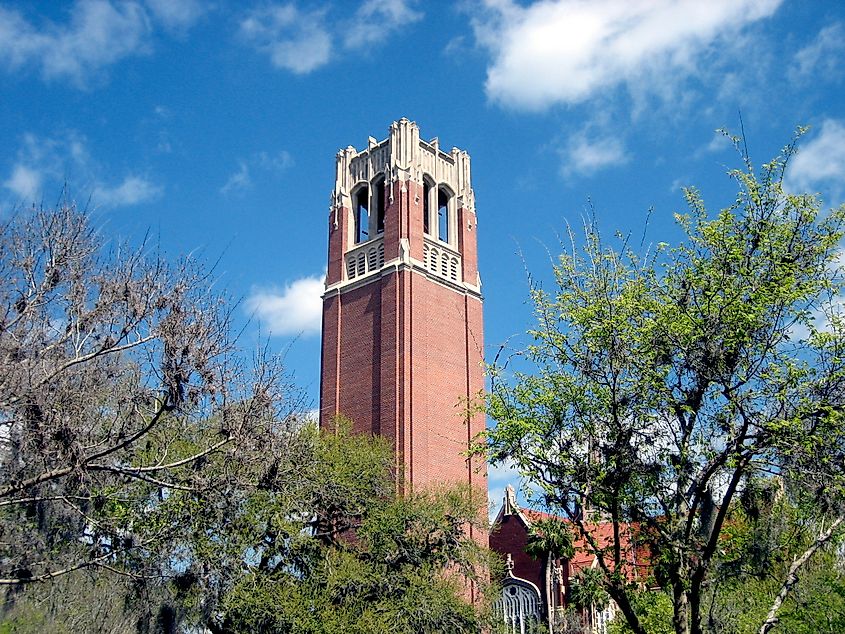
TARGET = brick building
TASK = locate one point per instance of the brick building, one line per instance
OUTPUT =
(402, 331)
(538, 589)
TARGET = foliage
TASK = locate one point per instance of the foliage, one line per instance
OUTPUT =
(383, 563)
(765, 530)
(587, 589)
(321, 542)
(119, 387)
(654, 609)
(87, 600)
(662, 383)
(817, 605)
(549, 537)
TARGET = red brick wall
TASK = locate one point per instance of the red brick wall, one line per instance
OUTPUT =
(338, 243)
(446, 370)
(511, 536)
(467, 244)
(402, 353)
(329, 358)
(360, 356)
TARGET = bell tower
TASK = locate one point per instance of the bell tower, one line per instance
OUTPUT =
(403, 341)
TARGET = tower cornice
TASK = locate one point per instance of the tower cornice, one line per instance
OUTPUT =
(403, 156)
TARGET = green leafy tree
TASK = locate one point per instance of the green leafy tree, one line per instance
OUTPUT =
(549, 539)
(313, 540)
(768, 529)
(765, 530)
(813, 479)
(357, 557)
(588, 591)
(654, 609)
(88, 600)
(663, 382)
(587, 595)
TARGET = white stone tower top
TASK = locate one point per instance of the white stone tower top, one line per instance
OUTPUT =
(403, 156)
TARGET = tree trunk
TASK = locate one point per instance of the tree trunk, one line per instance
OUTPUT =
(680, 616)
(792, 575)
(549, 597)
(694, 600)
(621, 598)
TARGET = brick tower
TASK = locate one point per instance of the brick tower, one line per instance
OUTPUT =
(402, 323)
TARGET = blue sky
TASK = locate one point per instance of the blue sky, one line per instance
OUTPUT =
(215, 125)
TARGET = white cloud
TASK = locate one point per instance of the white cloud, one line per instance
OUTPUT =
(820, 163)
(822, 57)
(241, 179)
(275, 163)
(44, 161)
(301, 40)
(718, 142)
(583, 156)
(498, 477)
(176, 14)
(98, 34)
(828, 315)
(296, 309)
(827, 318)
(131, 191)
(457, 46)
(678, 184)
(375, 20)
(24, 182)
(502, 475)
(295, 40)
(568, 51)
(50, 162)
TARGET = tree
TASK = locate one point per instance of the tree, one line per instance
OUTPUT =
(662, 383)
(765, 530)
(86, 600)
(353, 555)
(654, 609)
(321, 542)
(768, 529)
(588, 595)
(813, 480)
(548, 540)
(123, 404)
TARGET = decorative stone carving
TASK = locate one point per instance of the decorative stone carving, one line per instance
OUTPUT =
(404, 156)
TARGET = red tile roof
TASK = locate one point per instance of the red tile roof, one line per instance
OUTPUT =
(635, 557)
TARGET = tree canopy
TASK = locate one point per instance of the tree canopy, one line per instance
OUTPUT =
(662, 382)
(118, 386)
(387, 563)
